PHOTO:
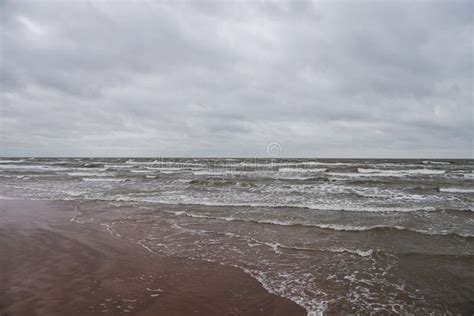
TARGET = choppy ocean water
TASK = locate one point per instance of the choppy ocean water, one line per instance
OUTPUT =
(338, 235)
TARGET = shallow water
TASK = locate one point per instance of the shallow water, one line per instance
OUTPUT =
(332, 235)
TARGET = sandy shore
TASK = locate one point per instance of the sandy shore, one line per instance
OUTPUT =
(51, 266)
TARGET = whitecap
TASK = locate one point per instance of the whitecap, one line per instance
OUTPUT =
(104, 180)
(391, 172)
(457, 190)
(301, 170)
(429, 162)
(11, 161)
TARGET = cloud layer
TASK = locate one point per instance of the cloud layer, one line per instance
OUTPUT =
(219, 78)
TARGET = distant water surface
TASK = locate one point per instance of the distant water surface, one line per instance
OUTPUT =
(338, 235)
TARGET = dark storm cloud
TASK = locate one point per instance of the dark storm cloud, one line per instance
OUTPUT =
(214, 78)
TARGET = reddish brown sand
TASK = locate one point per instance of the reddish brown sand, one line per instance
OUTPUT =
(51, 266)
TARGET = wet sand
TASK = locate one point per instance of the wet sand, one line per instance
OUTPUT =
(51, 266)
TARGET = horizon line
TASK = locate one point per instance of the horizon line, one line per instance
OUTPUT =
(230, 157)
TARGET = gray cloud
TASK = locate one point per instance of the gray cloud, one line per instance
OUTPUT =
(211, 78)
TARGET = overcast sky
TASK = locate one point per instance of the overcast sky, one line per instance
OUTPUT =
(219, 78)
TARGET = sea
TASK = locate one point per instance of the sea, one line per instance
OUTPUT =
(351, 236)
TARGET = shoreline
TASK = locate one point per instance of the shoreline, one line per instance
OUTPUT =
(52, 266)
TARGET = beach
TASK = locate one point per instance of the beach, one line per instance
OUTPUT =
(273, 157)
(236, 236)
(52, 266)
